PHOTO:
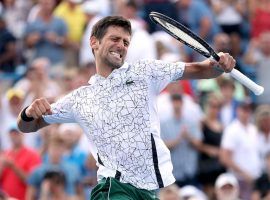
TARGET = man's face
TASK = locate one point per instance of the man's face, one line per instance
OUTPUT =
(111, 50)
(227, 192)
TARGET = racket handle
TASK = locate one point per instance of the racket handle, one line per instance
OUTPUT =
(255, 88)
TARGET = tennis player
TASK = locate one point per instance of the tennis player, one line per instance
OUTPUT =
(118, 112)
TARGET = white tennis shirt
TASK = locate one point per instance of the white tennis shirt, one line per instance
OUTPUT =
(119, 116)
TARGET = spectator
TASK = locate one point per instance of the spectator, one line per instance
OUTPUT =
(258, 55)
(15, 14)
(46, 35)
(262, 118)
(12, 102)
(229, 104)
(54, 161)
(190, 192)
(16, 165)
(241, 139)
(38, 83)
(163, 6)
(53, 186)
(260, 18)
(137, 50)
(209, 166)
(92, 11)
(227, 187)
(189, 105)
(7, 49)
(262, 184)
(71, 12)
(198, 17)
(183, 139)
(230, 14)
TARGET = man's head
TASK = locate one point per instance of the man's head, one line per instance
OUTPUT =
(16, 136)
(110, 39)
(177, 103)
(227, 187)
(56, 180)
(244, 110)
(227, 88)
(262, 118)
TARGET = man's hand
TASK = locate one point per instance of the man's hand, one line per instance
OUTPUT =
(38, 108)
(225, 63)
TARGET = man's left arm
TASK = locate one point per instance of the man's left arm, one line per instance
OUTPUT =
(209, 68)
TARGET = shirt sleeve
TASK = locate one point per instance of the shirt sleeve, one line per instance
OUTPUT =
(62, 110)
(161, 73)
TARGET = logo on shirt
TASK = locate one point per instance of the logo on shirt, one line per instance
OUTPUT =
(129, 82)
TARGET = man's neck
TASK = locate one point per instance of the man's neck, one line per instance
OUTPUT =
(104, 72)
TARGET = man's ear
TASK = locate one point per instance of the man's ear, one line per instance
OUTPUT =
(94, 43)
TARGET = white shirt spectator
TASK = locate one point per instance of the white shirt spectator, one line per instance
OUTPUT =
(243, 142)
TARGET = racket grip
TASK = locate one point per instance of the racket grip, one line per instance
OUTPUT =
(255, 88)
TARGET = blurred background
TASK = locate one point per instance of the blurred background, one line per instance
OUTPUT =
(217, 130)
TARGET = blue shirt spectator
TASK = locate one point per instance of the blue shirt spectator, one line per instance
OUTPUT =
(44, 47)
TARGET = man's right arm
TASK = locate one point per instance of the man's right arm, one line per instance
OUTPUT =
(30, 119)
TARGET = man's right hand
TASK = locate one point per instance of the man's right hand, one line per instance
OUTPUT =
(38, 108)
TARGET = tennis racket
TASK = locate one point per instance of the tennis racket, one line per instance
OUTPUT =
(186, 36)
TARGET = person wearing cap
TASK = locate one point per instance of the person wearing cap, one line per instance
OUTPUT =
(16, 164)
(71, 12)
(190, 192)
(240, 150)
(227, 187)
(12, 103)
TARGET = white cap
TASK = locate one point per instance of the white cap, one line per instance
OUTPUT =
(76, 1)
(191, 191)
(91, 7)
(224, 179)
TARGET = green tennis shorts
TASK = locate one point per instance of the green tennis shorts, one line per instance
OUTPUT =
(112, 189)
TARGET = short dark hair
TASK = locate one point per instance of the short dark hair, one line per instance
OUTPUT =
(55, 176)
(101, 27)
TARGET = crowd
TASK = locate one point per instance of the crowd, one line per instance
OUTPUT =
(218, 132)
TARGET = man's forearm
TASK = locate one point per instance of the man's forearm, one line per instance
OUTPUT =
(201, 70)
(30, 126)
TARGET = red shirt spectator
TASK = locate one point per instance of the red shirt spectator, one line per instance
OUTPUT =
(15, 165)
(261, 22)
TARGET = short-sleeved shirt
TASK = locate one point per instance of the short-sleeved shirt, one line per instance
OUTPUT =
(243, 142)
(25, 159)
(119, 116)
(184, 155)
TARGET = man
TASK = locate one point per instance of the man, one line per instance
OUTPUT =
(240, 139)
(118, 112)
(46, 35)
(16, 164)
(182, 136)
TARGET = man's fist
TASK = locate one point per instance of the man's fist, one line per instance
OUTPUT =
(38, 108)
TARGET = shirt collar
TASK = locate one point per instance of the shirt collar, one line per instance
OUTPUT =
(115, 73)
